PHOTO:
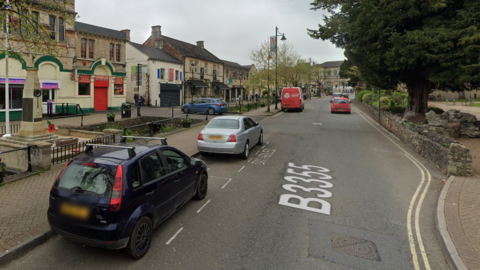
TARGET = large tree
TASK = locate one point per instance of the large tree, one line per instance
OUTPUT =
(30, 33)
(424, 44)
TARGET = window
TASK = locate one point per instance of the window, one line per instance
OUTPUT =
(175, 160)
(206, 68)
(90, 48)
(16, 95)
(118, 53)
(112, 51)
(151, 168)
(83, 48)
(61, 29)
(118, 89)
(97, 180)
(162, 73)
(247, 124)
(35, 17)
(84, 89)
(135, 176)
(52, 26)
(177, 75)
(191, 65)
(223, 124)
(196, 65)
(23, 23)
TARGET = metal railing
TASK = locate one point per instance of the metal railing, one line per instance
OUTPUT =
(29, 159)
(66, 152)
(13, 129)
(151, 126)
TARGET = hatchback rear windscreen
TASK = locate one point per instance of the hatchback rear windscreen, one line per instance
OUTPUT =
(224, 123)
(88, 179)
(222, 101)
(340, 101)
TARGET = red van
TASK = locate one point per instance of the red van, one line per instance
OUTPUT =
(292, 98)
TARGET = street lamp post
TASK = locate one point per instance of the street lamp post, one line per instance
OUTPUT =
(276, 62)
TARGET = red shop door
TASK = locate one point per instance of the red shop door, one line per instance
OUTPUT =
(101, 99)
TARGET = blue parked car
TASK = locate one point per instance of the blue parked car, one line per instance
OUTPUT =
(114, 196)
(208, 105)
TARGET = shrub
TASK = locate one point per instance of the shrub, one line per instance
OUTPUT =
(374, 104)
(391, 103)
(436, 110)
(404, 95)
(397, 109)
(361, 94)
(397, 99)
(397, 94)
(367, 98)
(265, 92)
(384, 100)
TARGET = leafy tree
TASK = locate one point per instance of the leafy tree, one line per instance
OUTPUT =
(348, 70)
(30, 33)
(424, 44)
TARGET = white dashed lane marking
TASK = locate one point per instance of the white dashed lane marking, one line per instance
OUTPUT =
(175, 235)
(203, 206)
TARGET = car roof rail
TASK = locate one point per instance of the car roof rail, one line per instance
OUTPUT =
(131, 149)
(162, 140)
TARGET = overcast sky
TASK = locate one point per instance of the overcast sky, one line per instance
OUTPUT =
(231, 29)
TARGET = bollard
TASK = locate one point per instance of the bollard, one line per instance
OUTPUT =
(172, 112)
(138, 111)
(155, 103)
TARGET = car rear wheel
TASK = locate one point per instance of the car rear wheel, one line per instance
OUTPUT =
(204, 153)
(202, 187)
(260, 139)
(185, 110)
(140, 239)
(211, 111)
(246, 151)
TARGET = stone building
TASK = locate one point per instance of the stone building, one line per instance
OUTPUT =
(331, 78)
(100, 65)
(161, 75)
(203, 71)
(252, 88)
(53, 72)
(236, 77)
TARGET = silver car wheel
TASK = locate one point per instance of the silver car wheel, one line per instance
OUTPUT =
(246, 151)
(211, 111)
(260, 139)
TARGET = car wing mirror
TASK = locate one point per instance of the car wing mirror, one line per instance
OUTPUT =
(256, 124)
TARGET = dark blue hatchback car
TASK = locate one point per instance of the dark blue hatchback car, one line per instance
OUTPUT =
(206, 105)
(114, 196)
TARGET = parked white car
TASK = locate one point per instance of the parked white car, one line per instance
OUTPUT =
(230, 135)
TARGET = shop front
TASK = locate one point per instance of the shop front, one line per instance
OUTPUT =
(15, 86)
(49, 89)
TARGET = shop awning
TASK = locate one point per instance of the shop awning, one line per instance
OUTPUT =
(199, 84)
(170, 86)
(222, 86)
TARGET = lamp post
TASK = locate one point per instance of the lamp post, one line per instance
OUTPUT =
(276, 62)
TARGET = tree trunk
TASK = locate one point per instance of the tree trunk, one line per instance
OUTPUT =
(418, 96)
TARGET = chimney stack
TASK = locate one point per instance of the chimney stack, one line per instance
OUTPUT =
(127, 34)
(156, 31)
(200, 44)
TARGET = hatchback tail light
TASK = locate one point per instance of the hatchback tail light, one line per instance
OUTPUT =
(116, 200)
(56, 180)
(218, 104)
(232, 138)
(200, 137)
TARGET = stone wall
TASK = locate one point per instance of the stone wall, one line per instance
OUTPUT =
(16, 161)
(118, 124)
(451, 157)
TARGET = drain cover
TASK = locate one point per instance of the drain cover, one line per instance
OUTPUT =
(355, 246)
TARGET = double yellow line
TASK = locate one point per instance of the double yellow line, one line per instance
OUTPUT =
(422, 188)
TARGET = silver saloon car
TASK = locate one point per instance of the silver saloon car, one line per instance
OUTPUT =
(230, 135)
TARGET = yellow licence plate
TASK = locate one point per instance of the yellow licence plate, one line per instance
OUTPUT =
(215, 138)
(75, 211)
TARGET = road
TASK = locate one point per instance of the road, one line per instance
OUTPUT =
(325, 191)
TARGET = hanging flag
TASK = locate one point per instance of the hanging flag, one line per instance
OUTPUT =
(10, 15)
(273, 44)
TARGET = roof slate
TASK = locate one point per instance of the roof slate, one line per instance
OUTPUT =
(155, 53)
(331, 64)
(191, 50)
(79, 26)
(232, 64)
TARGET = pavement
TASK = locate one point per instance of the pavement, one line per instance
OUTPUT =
(24, 203)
